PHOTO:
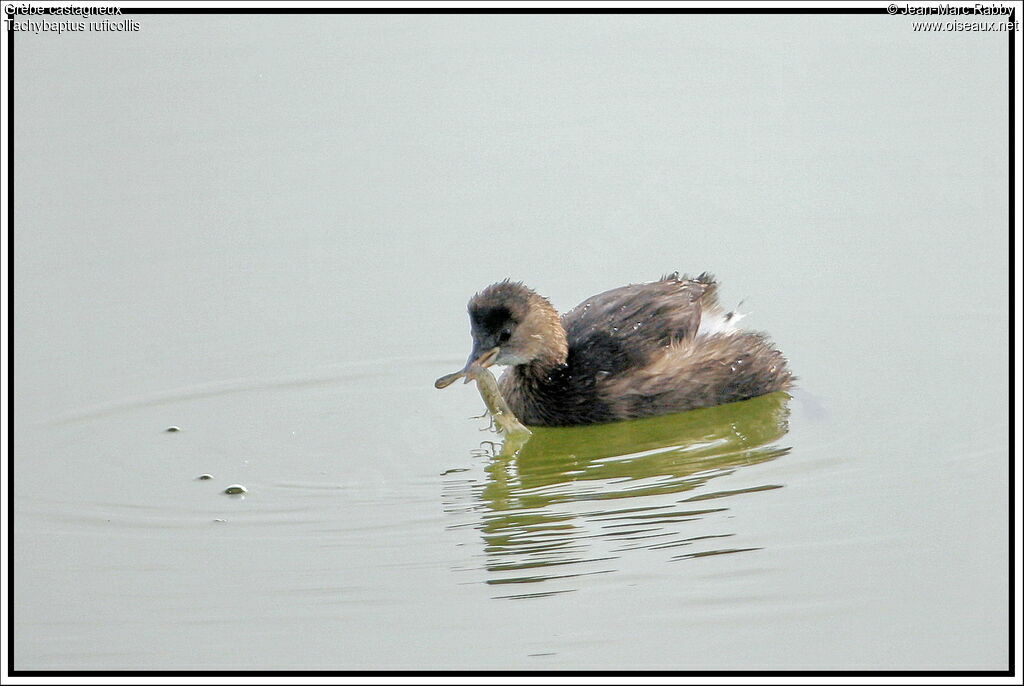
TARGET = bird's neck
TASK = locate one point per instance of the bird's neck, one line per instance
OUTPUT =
(553, 344)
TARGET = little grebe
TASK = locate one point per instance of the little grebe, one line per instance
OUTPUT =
(635, 351)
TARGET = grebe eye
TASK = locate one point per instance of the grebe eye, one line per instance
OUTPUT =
(504, 336)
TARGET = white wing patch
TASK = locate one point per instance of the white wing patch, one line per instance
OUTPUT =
(720, 322)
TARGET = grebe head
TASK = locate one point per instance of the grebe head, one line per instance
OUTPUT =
(512, 325)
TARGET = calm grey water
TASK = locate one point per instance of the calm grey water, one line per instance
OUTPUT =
(264, 230)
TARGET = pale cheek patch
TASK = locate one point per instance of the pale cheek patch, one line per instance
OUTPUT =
(508, 360)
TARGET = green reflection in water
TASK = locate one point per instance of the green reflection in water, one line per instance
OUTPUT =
(560, 498)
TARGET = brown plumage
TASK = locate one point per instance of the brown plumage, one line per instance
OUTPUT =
(635, 351)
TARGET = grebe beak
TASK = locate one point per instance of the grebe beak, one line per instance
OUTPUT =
(484, 361)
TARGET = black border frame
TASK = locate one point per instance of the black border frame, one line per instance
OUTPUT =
(10, 56)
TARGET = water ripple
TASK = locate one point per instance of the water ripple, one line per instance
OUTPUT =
(526, 505)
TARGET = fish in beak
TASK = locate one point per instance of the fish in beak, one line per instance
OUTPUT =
(476, 360)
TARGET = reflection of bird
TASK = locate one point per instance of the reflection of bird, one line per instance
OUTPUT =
(645, 484)
(679, 451)
(636, 351)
